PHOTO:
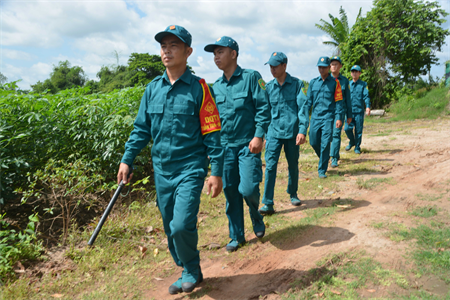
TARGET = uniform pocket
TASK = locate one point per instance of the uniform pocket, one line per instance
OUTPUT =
(156, 109)
(239, 100)
(183, 110)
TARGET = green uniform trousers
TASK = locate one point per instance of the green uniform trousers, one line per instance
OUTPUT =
(320, 135)
(356, 125)
(273, 150)
(178, 199)
(242, 175)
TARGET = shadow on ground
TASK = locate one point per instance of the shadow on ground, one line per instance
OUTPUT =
(297, 236)
(257, 286)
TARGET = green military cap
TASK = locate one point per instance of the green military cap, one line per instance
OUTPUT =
(224, 41)
(324, 61)
(277, 58)
(356, 68)
(336, 58)
(178, 31)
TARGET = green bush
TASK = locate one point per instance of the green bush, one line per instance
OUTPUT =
(421, 104)
(17, 246)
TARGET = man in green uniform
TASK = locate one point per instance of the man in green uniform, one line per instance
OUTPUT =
(325, 98)
(178, 112)
(360, 96)
(335, 66)
(286, 96)
(245, 115)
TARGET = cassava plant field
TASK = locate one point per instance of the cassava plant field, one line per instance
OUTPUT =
(59, 154)
(377, 227)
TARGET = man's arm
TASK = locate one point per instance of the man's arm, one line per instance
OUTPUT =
(263, 115)
(348, 103)
(303, 112)
(366, 99)
(139, 137)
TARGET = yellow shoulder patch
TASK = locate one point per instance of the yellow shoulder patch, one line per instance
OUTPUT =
(262, 84)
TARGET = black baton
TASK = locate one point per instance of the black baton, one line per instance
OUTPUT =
(107, 211)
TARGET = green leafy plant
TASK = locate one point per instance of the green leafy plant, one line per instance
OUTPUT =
(16, 245)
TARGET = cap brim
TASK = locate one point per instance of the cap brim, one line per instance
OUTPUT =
(273, 64)
(160, 35)
(322, 65)
(336, 60)
(210, 47)
(354, 69)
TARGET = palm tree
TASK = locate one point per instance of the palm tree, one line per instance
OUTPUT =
(338, 30)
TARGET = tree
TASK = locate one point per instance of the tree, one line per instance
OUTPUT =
(62, 77)
(41, 87)
(396, 42)
(338, 29)
(65, 77)
(143, 67)
(113, 77)
(3, 79)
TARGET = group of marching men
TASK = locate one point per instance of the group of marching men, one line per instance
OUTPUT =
(193, 126)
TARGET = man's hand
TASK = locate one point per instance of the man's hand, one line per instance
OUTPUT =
(301, 139)
(368, 111)
(215, 184)
(349, 120)
(338, 124)
(124, 169)
(256, 145)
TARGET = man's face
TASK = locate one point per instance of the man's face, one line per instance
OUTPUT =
(324, 71)
(355, 75)
(278, 71)
(335, 66)
(224, 57)
(174, 52)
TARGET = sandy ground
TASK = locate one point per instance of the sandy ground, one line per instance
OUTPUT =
(419, 163)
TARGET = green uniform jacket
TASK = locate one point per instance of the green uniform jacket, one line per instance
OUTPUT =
(360, 96)
(170, 115)
(345, 85)
(285, 102)
(321, 98)
(243, 107)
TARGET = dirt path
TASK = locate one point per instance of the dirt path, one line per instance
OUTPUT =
(418, 162)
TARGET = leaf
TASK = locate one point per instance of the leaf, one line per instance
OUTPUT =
(149, 229)
(344, 206)
(155, 252)
(143, 249)
(158, 279)
(58, 295)
(336, 292)
(371, 291)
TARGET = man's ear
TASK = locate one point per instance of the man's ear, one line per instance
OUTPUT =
(233, 54)
(189, 51)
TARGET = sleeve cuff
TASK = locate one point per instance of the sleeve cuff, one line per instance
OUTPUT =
(259, 132)
(216, 170)
(302, 130)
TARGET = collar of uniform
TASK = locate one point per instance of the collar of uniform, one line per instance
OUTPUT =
(353, 83)
(329, 77)
(186, 77)
(288, 79)
(236, 73)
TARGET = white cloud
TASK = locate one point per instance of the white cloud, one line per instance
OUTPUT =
(18, 55)
(87, 33)
(48, 24)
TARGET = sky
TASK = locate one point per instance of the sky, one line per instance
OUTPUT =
(36, 35)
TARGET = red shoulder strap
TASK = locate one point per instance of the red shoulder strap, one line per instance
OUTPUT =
(209, 115)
